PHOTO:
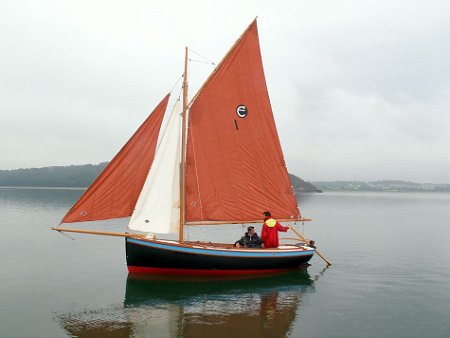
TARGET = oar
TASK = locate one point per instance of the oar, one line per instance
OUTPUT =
(304, 240)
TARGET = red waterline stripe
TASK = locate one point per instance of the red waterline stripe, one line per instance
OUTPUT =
(195, 272)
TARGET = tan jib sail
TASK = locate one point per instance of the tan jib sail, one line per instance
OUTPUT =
(115, 191)
(235, 168)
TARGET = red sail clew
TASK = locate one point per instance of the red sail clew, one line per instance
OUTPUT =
(115, 191)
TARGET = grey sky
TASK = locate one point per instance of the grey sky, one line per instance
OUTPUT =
(360, 89)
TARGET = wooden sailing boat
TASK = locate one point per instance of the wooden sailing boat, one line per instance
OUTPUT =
(232, 170)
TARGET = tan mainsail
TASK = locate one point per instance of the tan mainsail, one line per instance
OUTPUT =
(235, 165)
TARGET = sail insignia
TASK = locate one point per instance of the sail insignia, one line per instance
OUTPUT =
(241, 111)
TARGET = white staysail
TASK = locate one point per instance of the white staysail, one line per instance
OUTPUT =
(158, 207)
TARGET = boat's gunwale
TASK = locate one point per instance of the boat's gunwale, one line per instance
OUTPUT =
(209, 250)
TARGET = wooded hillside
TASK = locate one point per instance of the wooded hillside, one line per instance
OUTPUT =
(83, 176)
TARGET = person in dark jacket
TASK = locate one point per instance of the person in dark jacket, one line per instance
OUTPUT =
(249, 240)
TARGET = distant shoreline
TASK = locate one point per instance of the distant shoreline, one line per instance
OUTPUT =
(18, 187)
(297, 193)
(381, 186)
(78, 177)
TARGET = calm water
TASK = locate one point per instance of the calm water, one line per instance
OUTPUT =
(390, 277)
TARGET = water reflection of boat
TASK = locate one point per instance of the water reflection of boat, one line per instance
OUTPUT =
(263, 307)
(142, 289)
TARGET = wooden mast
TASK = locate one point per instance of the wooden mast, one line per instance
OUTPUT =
(183, 148)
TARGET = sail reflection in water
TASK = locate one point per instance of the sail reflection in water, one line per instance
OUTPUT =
(263, 307)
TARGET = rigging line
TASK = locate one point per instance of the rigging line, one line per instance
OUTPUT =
(202, 56)
(173, 108)
(196, 171)
(160, 138)
(67, 235)
(176, 83)
(205, 62)
(179, 95)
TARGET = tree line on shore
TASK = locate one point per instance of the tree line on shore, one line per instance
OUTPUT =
(83, 176)
(58, 176)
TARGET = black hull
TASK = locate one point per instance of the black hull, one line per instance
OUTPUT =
(164, 257)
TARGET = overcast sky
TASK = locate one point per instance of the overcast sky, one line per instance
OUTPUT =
(360, 89)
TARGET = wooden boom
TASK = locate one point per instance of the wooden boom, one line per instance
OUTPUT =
(103, 233)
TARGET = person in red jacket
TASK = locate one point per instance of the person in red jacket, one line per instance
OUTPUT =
(269, 232)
